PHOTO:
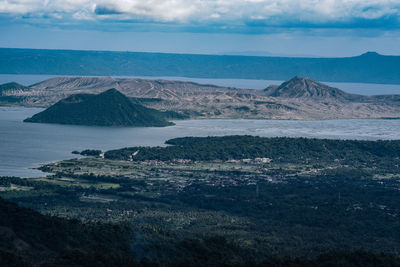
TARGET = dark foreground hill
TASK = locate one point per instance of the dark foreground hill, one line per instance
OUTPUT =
(28, 238)
(110, 108)
(367, 68)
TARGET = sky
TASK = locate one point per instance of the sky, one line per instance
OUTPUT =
(324, 28)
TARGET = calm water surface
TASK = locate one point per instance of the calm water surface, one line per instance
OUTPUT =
(27, 145)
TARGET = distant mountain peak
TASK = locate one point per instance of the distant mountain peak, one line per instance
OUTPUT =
(11, 86)
(371, 54)
(299, 87)
(112, 91)
(300, 79)
(303, 79)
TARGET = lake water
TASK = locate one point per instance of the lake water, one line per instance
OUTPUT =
(354, 88)
(27, 145)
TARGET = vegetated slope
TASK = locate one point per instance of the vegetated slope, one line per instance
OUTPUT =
(110, 108)
(28, 238)
(323, 194)
(367, 68)
(250, 147)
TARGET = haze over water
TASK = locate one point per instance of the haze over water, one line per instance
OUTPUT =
(27, 145)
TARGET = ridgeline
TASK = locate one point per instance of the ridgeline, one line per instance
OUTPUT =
(370, 67)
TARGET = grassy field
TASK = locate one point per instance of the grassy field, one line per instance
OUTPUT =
(67, 182)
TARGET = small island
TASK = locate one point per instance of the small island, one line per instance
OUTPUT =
(109, 108)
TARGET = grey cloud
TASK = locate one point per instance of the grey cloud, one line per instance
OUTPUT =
(228, 13)
(106, 10)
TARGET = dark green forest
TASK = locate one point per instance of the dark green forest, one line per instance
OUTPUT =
(281, 149)
(314, 203)
(31, 239)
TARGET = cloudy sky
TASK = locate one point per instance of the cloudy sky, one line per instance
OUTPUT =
(253, 27)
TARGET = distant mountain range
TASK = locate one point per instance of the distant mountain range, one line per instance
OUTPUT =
(110, 108)
(367, 68)
(297, 98)
(261, 53)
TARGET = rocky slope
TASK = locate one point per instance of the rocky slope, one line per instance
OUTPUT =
(11, 93)
(298, 98)
(308, 89)
(12, 88)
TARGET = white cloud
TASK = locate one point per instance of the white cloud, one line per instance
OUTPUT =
(201, 11)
